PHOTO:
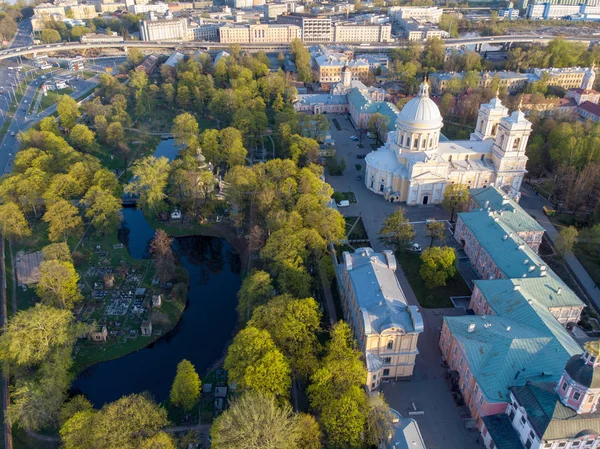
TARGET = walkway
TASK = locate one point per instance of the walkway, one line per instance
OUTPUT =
(533, 204)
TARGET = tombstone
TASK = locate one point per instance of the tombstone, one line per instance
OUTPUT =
(99, 334)
(156, 300)
(146, 328)
(109, 280)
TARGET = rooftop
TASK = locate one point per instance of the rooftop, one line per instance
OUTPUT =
(550, 419)
(502, 432)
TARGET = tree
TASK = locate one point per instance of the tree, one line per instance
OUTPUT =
(50, 36)
(437, 266)
(185, 130)
(49, 124)
(255, 420)
(150, 176)
(232, 147)
(379, 425)
(185, 391)
(162, 253)
(57, 251)
(63, 220)
(396, 230)
(12, 221)
(309, 432)
(82, 138)
(257, 289)
(132, 422)
(567, 237)
(378, 125)
(293, 324)
(435, 230)
(32, 334)
(74, 405)
(456, 197)
(254, 363)
(434, 53)
(58, 284)
(103, 209)
(68, 111)
(135, 56)
(301, 57)
(115, 134)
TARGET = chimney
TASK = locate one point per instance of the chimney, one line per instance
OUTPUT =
(390, 259)
(559, 291)
(486, 204)
(517, 288)
(505, 237)
(507, 328)
(471, 327)
(526, 261)
(347, 260)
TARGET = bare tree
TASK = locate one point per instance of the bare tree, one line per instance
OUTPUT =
(162, 253)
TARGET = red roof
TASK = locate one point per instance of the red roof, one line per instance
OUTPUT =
(590, 107)
(580, 91)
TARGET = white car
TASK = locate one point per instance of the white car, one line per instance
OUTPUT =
(12, 133)
(353, 138)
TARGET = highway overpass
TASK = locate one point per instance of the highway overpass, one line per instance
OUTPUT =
(198, 45)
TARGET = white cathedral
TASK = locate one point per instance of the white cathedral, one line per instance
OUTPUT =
(415, 166)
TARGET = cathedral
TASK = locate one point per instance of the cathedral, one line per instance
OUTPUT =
(416, 163)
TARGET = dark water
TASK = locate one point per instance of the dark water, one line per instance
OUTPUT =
(200, 336)
(167, 148)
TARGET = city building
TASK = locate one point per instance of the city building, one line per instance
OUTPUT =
(400, 14)
(508, 13)
(406, 433)
(385, 326)
(314, 28)
(231, 34)
(549, 11)
(205, 31)
(415, 164)
(158, 8)
(362, 33)
(81, 12)
(149, 64)
(417, 31)
(544, 415)
(95, 38)
(174, 59)
(77, 63)
(362, 106)
(514, 82)
(164, 30)
(328, 65)
(49, 10)
(274, 10)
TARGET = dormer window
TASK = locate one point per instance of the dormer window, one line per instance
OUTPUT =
(390, 344)
(564, 386)
(576, 395)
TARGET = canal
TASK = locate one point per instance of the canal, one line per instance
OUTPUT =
(201, 335)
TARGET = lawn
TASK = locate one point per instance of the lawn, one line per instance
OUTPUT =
(52, 97)
(339, 196)
(358, 229)
(590, 262)
(430, 298)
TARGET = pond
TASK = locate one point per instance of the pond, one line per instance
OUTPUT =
(201, 335)
(167, 148)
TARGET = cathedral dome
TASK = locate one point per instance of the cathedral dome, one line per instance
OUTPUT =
(421, 109)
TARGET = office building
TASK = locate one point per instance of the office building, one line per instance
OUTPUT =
(242, 34)
(164, 30)
(400, 14)
(361, 33)
(313, 28)
(81, 12)
(158, 8)
(549, 11)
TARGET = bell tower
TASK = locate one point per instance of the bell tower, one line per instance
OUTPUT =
(589, 78)
(488, 119)
(508, 151)
(579, 386)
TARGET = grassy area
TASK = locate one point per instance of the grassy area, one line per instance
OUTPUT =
(430, 298)
(590, 262)
(52, 97)
(358, 229)
(339, 196)
(23, 441)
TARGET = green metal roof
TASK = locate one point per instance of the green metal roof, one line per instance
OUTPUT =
(502, 432)
(550, 419)
(362, 102)
(514, 218)
(510, 253)
(503, 351)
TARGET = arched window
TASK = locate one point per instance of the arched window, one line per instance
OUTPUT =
(516, 143)
(480, 125)
(408, 142)
(467, 157)
(482, 157)
(450, 158)
(416, 143)
(501, 139)
(494, 129)
(402, 140)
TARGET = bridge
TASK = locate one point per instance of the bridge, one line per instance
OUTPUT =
(506, 41)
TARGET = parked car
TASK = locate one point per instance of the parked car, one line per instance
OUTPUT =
(359, 178)
(343, 203)
(361, 156)
(415, 248)
(353, 138)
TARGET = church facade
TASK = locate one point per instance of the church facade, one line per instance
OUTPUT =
(415, 165)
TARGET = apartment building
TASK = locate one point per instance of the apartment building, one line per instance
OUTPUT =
(81, 12)
(232, 34)
(47, 10)
(400, 14)
(386, 327)
(205, 32)
(158, 8)
(314, 28)
(362, 33)
(164, 30)
(328, 67)
(549, 11)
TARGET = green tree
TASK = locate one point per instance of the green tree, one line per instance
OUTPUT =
(32, 334)
(185, 391)
(434, 53)
(82, 138)
(396, 230)
(58, 284)
(435, 230)
(63, 186)
(301, 57)
(13, 223)
(185, 130)
(132, 422)
(456, 198)
(255, 420)
(135, 56)
(232, 147)
(103, 209)
(293, 324)
(309, 432)
(57, 251)
(254, 363)
(68, 111)
(379, 425)
(150, 176)
(437, 266)
(63, 220)
(257, 289)
(74, 405)
(50, 36)
(378, 125)
(49, 124)
(115, 134)
(343, 419)
(567, 237)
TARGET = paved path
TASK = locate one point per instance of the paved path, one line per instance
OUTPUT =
(533, 204)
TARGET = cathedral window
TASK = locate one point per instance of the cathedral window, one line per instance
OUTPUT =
(402, 140)
(450, 158)
(494, 128)
(416, 142)
(408, 142)
(516, 143)
(482, 157)
(480, 125)
(501, 139)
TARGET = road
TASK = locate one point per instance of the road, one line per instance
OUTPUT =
(362, 47)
